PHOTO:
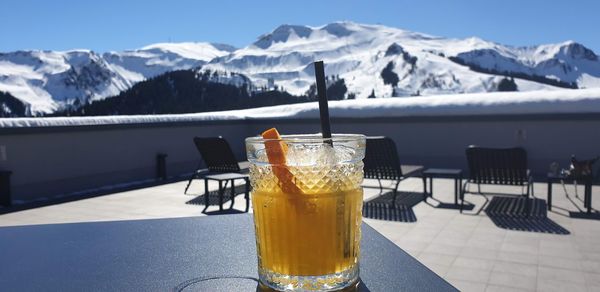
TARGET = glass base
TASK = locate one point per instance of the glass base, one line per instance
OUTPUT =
(329, 282)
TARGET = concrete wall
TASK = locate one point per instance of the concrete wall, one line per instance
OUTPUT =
(58, 160)
(55, 160)
(441, 141)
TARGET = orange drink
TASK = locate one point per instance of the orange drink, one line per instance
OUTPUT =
(307, 203)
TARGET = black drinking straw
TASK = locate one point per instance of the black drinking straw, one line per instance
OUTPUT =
(323, 107)
(326, 132)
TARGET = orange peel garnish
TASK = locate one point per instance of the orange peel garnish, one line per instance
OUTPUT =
(276, 151)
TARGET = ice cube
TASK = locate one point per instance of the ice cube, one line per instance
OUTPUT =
(326, 155)
(312, 154)
(307, 153)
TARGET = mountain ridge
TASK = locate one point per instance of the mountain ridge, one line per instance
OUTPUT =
(48, 81)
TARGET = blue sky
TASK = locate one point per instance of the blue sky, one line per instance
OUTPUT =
(125, 24)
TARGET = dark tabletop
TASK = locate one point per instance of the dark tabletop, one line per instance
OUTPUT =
(442, 172)
(215, 253)
(555, 177)
(226, 176)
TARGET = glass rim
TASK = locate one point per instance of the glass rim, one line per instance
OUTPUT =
(309, 138)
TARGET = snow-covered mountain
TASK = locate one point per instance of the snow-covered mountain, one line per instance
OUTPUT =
(414, 63)
(424, 64)
(48, 80)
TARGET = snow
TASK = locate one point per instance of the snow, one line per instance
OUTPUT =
(7, 68)
(49, 80)
(189, 50)
(355, 52)
(590, 81)
(39, 100)
(477, 104)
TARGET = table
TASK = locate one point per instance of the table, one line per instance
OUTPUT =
(587, 193)
(173, 254)
(226, 177)
(455, 174)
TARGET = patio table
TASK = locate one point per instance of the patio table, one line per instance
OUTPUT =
(229, 177)
(559, 178)
(214, 253)
(455, 174)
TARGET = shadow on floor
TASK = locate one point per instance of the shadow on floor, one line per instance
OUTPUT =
(594, 215)
(582, 213)
(223, 212)
(213, 199)
(213, 196)
(443, 205)
(381, 207)
(510, 213)
(88, 194)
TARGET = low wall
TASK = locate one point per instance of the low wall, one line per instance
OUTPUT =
(52, 160)
(57, 160)
(441, 141)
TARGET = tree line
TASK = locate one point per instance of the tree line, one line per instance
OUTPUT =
(11, 107)
(184, 92)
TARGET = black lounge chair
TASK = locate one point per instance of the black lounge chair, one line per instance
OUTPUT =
(221, 166)
(498, 166)
(382, 162)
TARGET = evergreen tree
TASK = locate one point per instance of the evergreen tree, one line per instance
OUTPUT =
(11, 107)
(507, 84)
(372, 94)
(337, 90)
(183, 91)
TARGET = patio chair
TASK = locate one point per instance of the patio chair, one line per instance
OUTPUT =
(221, 166)
(498, 166)
(382, 162)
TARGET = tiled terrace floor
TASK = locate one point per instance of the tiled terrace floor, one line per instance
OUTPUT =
(469, 250)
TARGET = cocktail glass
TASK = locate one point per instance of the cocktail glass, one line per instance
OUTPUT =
(307, 210)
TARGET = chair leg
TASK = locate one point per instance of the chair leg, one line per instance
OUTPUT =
(395, 191)
(462, 202)
(430, 187)
(247, 195)
(549, 195)
(194, 175)
(189, 183)
(221, 191)
(527, 204)
(232, 194)
(588, 195)
(462, 196)
(456, 186)
(206, 194)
